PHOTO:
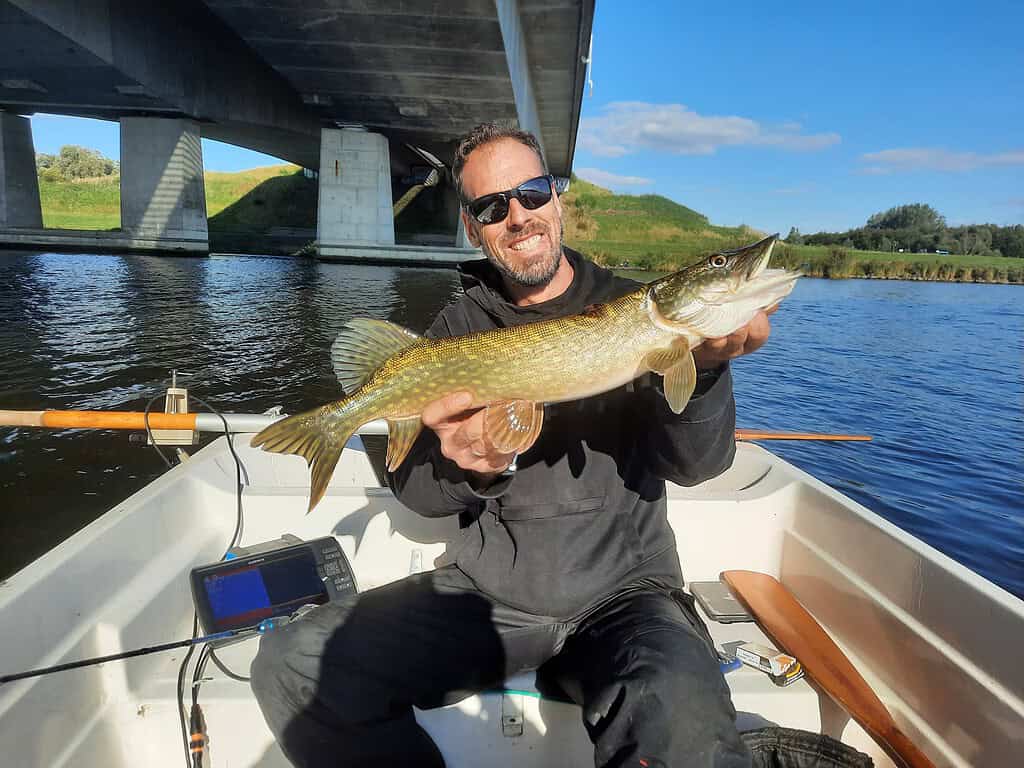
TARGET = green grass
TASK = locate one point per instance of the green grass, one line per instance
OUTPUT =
(645, 231)
(86, 204)
(256, 200)
(96, 203)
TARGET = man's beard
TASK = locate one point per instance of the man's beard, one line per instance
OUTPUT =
(538, 272)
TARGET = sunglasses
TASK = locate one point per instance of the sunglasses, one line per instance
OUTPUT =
(492, 208)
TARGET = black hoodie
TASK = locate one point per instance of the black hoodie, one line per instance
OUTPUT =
(585, 514)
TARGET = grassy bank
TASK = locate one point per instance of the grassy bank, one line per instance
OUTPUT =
(96, 203)
(650, 232)
(832, 262)
(645, 232)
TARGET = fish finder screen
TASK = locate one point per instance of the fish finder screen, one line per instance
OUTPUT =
(246, 596)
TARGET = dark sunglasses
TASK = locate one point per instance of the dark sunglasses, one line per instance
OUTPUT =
(492, 208)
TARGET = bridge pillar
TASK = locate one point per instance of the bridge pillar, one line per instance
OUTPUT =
(354, 215)
(163, 197)
(19, 185)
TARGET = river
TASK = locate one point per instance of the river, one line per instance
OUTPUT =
(932, 370)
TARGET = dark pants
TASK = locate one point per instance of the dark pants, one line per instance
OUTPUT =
(337, 686)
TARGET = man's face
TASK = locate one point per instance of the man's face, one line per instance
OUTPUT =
(526, 246)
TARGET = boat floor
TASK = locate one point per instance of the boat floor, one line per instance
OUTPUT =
(122, 583)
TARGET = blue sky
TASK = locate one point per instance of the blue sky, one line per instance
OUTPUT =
(813, 115)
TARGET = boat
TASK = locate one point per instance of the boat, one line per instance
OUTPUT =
(937, 642)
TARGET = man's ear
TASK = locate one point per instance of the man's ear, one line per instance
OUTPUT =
(467, 224)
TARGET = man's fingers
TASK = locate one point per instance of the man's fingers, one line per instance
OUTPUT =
(440, 413)
(757, 332)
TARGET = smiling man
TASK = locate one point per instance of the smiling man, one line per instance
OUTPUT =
(566, 562)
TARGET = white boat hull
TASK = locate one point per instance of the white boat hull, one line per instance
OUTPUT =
(933, 638)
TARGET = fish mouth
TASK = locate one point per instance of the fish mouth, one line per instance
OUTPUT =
(751, 260)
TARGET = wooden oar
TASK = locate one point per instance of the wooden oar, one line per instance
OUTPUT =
(753, 434)
(796, 632)
(254, 422)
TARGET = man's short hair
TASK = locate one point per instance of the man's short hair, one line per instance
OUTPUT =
(485, 133)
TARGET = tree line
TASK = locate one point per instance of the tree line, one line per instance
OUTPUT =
(74, 162)
(919, 228)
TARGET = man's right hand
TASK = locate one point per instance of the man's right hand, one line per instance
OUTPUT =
(461, 432)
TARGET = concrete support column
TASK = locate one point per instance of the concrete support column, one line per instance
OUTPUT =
(19, 185)
(354, 208)
(162, 192)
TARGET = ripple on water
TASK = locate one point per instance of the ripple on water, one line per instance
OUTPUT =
(899, 361)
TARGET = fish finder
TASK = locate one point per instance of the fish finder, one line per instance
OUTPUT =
(270, 580)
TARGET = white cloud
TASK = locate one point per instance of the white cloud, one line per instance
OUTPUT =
(926, 159)
(608, 179)
(629, 126)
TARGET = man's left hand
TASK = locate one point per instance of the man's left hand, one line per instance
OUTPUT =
(713, 352)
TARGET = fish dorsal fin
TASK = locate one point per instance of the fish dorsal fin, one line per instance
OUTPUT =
(402, 433)
(513, 425)
(363, 346)
(680, 372)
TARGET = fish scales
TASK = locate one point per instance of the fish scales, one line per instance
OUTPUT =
(654, 328)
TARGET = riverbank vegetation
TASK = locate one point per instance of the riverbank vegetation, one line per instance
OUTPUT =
(650, 232)
(643, 232)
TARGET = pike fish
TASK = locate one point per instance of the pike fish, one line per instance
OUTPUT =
(388, 372)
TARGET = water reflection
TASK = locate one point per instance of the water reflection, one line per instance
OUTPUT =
(933, 371)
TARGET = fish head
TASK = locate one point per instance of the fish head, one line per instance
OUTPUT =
(720, 293)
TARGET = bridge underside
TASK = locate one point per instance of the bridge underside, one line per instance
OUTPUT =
(272, 75)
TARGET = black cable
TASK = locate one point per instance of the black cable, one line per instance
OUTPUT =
(220, 665)
(236, 537)
(181, 692)
(149, 432)
(207, 651)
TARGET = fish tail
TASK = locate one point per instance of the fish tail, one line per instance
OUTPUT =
(318, 436)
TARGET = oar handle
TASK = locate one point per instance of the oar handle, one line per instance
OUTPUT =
(753, 434)
(97, 419)
(252, 422)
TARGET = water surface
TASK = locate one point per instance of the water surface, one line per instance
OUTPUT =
(931, 370)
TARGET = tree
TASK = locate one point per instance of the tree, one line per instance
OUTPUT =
(918, 216)
(1009, 240)
(77, 162)
(794, 237)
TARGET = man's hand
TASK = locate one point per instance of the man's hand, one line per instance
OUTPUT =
(462, 436)
(713, 352)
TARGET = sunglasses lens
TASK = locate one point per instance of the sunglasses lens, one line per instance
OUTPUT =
(531, 194)
(535, 192)
(489, 209)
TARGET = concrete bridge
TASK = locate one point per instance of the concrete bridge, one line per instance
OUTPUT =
(367, 92)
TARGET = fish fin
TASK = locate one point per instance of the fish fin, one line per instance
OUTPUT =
(363, 346)
(513, 425)
(680, 381)
(316, 437)
(661, 360)
(402, 433)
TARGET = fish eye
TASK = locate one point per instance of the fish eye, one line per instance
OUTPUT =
(718, 261)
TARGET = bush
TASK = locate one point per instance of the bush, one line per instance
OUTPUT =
(839, 263)
(75, 162)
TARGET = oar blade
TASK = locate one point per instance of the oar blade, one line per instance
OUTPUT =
(795, 631)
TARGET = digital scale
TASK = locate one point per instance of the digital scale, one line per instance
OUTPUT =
(270, 580)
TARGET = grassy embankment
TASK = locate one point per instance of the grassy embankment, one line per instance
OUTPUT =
(647, 232)
(653, 233)
(244, 202)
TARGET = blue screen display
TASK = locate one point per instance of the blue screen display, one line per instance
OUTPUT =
(239, 593)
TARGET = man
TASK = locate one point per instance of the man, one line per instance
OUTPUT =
(566, 563)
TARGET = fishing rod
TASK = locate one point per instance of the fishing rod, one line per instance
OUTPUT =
(260, 628)
(254, 422)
